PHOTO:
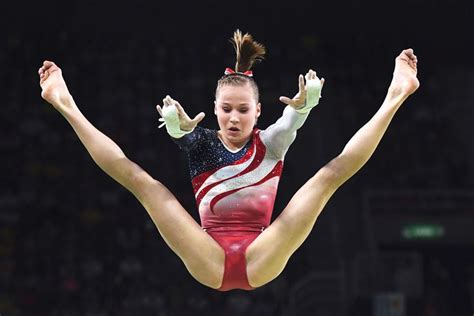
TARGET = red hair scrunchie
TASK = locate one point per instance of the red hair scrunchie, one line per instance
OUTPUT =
(229, 71)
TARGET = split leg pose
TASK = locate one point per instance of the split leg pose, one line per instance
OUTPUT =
(267, 255)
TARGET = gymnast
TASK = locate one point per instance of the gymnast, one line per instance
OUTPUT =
(235, 171)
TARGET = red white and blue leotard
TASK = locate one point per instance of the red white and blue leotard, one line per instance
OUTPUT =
(235, 190)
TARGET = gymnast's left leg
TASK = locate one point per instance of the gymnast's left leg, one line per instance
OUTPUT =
(268, 254)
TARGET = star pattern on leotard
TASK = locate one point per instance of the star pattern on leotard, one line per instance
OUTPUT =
(206, 151)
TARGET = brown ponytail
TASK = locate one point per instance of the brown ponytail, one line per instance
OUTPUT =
(247, 50)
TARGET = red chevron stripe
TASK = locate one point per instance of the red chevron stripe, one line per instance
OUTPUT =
(259, 155)
(198, 180)
(276, 172)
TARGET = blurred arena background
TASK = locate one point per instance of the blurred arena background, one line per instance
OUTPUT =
(397, 239)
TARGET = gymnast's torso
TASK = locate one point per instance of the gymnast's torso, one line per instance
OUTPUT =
(235, 191)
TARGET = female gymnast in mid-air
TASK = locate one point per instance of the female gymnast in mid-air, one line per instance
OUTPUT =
(235, 170)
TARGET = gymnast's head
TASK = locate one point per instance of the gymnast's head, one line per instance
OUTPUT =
(237, 105)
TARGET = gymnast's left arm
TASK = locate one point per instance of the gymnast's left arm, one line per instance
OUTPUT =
(279, 136)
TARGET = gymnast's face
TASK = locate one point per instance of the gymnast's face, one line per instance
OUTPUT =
(237, 111)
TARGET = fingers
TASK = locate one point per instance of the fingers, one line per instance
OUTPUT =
(286, 100)
(301, 83)
(167, 101)
(198, 118)
(310, 75)
(299, 99)
(179, 107)
(160, 111)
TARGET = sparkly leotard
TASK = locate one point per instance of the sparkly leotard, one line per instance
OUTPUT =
(235, 190)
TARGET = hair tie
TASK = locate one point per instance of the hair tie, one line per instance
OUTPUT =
(229, 71)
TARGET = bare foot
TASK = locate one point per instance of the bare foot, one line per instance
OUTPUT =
(404, 80)
(54, 87)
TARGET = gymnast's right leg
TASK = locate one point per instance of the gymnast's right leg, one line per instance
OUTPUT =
(202, 256)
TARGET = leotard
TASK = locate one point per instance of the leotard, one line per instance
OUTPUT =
(235, 190)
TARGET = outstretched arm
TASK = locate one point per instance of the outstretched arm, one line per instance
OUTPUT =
(279, 136)
(105, 152)
(362, 145)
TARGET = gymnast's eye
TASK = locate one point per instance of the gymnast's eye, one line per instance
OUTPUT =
(243, 110)
(226, 109)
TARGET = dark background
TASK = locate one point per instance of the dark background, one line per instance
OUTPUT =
(73, 242)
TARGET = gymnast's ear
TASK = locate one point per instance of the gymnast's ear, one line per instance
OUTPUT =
(259, 109)
(215, 107)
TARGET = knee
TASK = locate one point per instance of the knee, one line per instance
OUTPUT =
(329, 178)
(148, 191)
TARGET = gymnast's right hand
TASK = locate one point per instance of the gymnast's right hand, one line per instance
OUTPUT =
(186, 124)
(54, 89)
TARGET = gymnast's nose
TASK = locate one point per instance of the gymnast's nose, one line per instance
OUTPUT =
(234, 119)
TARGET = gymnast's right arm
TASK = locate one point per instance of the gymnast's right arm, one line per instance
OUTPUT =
(105, 152)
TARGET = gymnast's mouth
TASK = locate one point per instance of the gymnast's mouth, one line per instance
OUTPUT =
(234, 129)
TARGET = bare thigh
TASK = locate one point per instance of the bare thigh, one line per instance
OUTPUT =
(268, 255)
(202, 255)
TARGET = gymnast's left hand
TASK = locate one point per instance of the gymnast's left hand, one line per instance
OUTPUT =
(185, 122)
(299, 99)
